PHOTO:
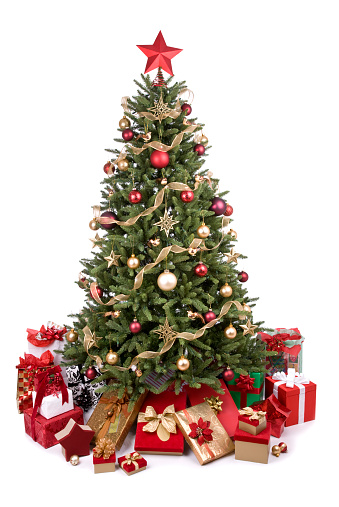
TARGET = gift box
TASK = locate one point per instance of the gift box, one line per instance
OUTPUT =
(252, 421)
(83, 390)
(276, 414)
(157, 432)
(104, 456)
(52, 405)
(223, 404)
(45, 429)
(49, 338)
(204, 433)
(250, 447)
(288, 343)
(112, 417)
(132, 463)
(294, 391)
(75, 439)
(28, 367)
(246, 389)
(51, 396)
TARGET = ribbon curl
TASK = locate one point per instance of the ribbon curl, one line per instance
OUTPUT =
(163, 424)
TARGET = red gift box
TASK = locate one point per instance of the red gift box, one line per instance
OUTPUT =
(45, 429)
(132, 463)
(249, 422)
(300, 399)
(276, 414)
(28, 367)
(102, 465)
(228, 416)
(159, 418)
(252, 447)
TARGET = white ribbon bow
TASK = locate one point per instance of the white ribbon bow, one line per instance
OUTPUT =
(292, 379)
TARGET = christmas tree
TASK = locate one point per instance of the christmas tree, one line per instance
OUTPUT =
(164, 292)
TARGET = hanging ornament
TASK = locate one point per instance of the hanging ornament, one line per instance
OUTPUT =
(187, 196)
(127, 135)
(203, 231)
(116, 314)
(183, 363)
(91, 373)
(83, 281)
(109, 168)
(246, 308)
(165, 332)
(110, 193)
(93, 225)
(195, 315)
(226, 291)
(99, 292)
(199, 149)
(95, 241)
(242, 276)
(159, 159)
(186, 108)
(209, 316)
(160, 111)
(218, 206)
(166, 223)
(230, 332)
(124, 123)
(72, 336)
(163, 181)
(123, 164)
(135, 326)
(138, 372)
(74, 460)
(167, 281)
(112, 259)
(133, 262)
(134, 196)
(248, 328)
(201, 269)
(228, 375)
(153, 242)
(112, 357)
(108, 214)
(193, 251)
(203, 140)
(232, 233)
(228, 211)
(232, 256)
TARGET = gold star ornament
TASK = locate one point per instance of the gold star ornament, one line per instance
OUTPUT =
(112, 259)
(248, 328)
(96, 240)
(166, 223)
(166, 332)
(232, 256)
(160, 109)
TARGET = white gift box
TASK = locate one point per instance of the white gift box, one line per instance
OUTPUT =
(52, 406)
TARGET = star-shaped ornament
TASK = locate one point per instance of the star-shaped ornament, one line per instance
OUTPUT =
(232, 256)
(75, 439)
(248, 328)
(112, 259)
(93, 342)
(166, 223)
(166, 332)
(96, 240)
(160, 109)
(159, 55)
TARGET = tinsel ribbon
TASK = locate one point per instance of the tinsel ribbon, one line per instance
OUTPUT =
(31, 362)
(114, 406)
(215, 403)
(45, 337)
(103, 448)
(258, 415)
(163, 424)
(131, 459)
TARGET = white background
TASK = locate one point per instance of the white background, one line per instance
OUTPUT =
(265, 78)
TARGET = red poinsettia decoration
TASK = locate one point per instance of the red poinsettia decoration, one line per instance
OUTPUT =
(201, 431)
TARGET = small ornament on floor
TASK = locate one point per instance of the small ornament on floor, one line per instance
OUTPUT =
(74, 460)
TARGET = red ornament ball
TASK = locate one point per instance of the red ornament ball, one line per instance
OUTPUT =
(91, 373)
(127, 135)
(187, 109)
(201, 269)
(283, 447)
(243, 276)
(99, 291)
(199, 149)
(228, 211)
(107, 167)
(134, 196)
(135, 327)
(209, 316)
(228, 375)
(218, 206)
(159, 159)
(108, 214)
(187, 196)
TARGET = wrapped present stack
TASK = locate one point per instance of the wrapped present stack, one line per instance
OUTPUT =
(252, 437)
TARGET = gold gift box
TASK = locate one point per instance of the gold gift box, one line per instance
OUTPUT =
(219, 446)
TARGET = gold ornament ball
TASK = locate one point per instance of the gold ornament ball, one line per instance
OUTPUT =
(93, 225)
(276, 450)
(133, 262)
(164, 181)
(232, 233)
(230, 332)
(123, 165)
(246, 308)
(112, 357)
(116, 314)
(138, 372)
(72, 336)
(226, 291)
(167, 281)
(74, 460)
(124, 123)
(110, 193)
(203, 231)
(183, 363)
(204, 139)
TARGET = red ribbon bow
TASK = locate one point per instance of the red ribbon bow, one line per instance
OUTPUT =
(47, 336)
(245, 382)
(275, 342)
(32, 362)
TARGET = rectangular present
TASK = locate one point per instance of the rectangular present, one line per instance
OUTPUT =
(28, 367)
(132, 463)
(45, 429)
(288, 343)
(250, 447)
(204, 433)
(276, 414)
(300, 398)
(52, 405)
(102, 465)
(246, 389)
(228, 413)
(157, 432)
(112, 417)
(252, 421)
(49, 338)
(83, 390)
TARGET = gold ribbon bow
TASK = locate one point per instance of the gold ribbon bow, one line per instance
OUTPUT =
(163, 424)
(215, 403)
(103, 448)
(254, 415)
(131, 459)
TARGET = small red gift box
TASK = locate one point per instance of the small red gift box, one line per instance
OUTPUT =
(45, 429)
(252, 447)
(228, 415)
(132, 463)
(157, 432)
(296, 392)
(252, 421)
(276, 414)
(104, 456)
(102, 465)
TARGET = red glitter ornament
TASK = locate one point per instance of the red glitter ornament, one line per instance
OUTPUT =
(199, 149)
(108, 214)
(90, 373)
(135, 327)
(127, 135)
(209, 316)
(228, 375)
(187, 196)
(228, 211)
(134, 196)
(201, 269)
(187, 108)
(243, 276)
(159, 159)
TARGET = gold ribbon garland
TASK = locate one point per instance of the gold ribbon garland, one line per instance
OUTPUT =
(163, 424)
(254, 415)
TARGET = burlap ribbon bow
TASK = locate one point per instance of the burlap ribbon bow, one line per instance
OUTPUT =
(253, 415)
(163, 424)
(104, 448)
(131, 459)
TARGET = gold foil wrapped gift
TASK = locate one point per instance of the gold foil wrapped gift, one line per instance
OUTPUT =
(204, 433)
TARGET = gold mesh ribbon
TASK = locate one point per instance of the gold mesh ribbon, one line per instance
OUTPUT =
(253, 415)
(131, 459)
(215, 403)
(104, 448)
(163, 424)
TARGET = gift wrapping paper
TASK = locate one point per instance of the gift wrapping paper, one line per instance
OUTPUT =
(28, 367)
(246, 389)
(40, 341)
(80, 385)
(52, 406)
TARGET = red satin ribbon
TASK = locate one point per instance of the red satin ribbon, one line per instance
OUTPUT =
(47, 336)
(30, 361)
(245, 386)
(245, 382)
(275, 342)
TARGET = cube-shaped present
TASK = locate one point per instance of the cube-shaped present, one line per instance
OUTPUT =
(250, 447)
(294, 391)
(28, 368)
(113, 418)
(157, 432)
(75, 439)
(276, 414)
(48, 338)
(223, 404)
(45, 429)
(51, 396)
(288, 343)
(132, 463)
(204, 433)
(52, 405)
(104, 456)
(252, 421)
(246, 389)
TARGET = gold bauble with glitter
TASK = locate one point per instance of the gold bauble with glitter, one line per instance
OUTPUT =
(226, 291)
(138, 372)
(112, 357)
(204, 139)
(167, 281)
(203, 231)
(123, 165)
(93, 225)
(230, 332)
(72, 336)
(124, 123)
(133, 262)
(74, 460)
(183, 363)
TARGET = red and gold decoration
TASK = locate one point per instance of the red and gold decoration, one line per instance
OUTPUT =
(91, 373)
(124, 123)
(183, 363)
(75, 439)
(132, 463)
(133, 262)
(249, 447)
(166, 223)
(186, 108)
(252, 421)
(232, 256)
(228, 211)
(123, 164)
(187, 196)
(230, 332)
(218, 206)
(201, 269)
(135, 326)
(159, 159)
(276, 414)
(209, 316)
(201, 431)
(248, 328)
(226, 291)
(135, 196)
(109, 168)
(96, 292)
(199, 149)
(203, 231)
(72, 336)
(127, 135)
(228, 375)
(104, 456)
(242, 276)
(159, 55)
(167, 281)
(106, 220)
(278, 449)
(112, 358)
(195, 315)
(246, 389)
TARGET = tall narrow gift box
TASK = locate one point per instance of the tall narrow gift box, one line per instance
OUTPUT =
(250, 447)
(288, 343)
(246, 389)
(157, 431)
(28, 367)
(226, 410)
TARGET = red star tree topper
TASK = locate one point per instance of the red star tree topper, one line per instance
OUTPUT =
(159, 55)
